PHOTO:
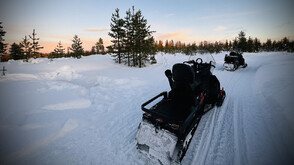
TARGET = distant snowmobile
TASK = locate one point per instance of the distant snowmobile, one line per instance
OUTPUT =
(233, 61)
(167, 126)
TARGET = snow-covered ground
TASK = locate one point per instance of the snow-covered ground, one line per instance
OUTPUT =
(87, 111)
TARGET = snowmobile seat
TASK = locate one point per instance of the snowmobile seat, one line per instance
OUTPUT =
(179, 101)
(184, 84)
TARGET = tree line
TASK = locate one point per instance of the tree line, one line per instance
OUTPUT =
(134, 45)
(76, 50)
(240, 43)
(29, 48)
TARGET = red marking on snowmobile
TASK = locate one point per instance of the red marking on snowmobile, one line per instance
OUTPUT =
(222, 91)
(160, 119)
(202, 98)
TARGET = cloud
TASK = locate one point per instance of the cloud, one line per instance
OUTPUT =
(97, 29)
(230, 15)
(169, 15)
(176, 35)
(220, 28)
(185, 35)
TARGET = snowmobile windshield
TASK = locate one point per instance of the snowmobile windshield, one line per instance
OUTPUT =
(204, 59)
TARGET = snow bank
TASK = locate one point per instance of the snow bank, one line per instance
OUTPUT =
(66, 73)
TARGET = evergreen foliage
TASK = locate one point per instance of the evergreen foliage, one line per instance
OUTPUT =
(242, 42)
(58, 52)
(256, 45)
(93, 50)
(16, 51)
(117, 33)
(133, 43)
(2, 44)
(35, 44)
(77, 47)
(268, 45)
(26, 45)
(99, 47)
(250, 45)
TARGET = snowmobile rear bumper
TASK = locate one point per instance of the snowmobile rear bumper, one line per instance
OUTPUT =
(156, 143)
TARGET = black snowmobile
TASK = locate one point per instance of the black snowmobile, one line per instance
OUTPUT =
(168, 125)
(233, 61)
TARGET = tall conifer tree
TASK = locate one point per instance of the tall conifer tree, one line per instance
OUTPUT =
(250, 46)
(117, 33)
(99, 46)
(59, 50)
(35, 44)
(129, 36)
(16, 51)
(242, 42)
(26, 45)
(2, 44)
(77, 47)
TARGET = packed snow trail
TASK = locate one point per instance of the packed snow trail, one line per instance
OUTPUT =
(87, 111)
(247, 129)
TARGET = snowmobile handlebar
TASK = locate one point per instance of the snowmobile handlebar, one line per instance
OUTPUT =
(198, 61)
(189, 62)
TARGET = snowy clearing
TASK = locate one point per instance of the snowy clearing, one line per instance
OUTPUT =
(87, 111)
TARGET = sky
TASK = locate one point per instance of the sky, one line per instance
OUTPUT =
(179, 20)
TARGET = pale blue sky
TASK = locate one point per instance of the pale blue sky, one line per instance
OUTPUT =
(185, 20)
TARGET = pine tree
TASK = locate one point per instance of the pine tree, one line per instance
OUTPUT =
(268, 45)
(285, 44)
(35, 44)
(143, 35)
(235, 44)
(276, 46)
(129, 37)
(242, 42)
(291, 46)
(257, 45)
(226, 46)
(26, 45)
(166, 47)
(77, 47)
(117, 33)
(250, 46)
(93, 50)
(16, 51)
(99, 47)
(59, 50)
(160, 45)
(217, 47)
(2, 44)
(230, 46)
